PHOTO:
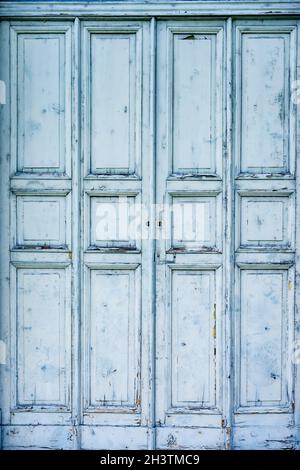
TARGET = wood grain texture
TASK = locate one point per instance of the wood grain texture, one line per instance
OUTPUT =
(179, 342)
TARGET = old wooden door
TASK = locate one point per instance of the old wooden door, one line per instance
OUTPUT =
(225, 272)
(79, 330)
(148, 214)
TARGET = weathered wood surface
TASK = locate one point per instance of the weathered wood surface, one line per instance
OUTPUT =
(183, 342)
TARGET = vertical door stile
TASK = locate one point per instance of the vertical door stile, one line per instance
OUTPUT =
(159, 281)
(296, 330)
(5, 337)
(228, 242)
(152, 232)
(76, 234)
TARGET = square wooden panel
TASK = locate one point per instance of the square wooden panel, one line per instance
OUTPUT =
(112, 221)
(265, 221)
(195, 222)
(42, 220)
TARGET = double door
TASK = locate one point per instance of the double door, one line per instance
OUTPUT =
(148, 290)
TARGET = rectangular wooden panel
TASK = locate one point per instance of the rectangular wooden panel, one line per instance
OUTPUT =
(42, 220)
(196, 95)
(265, 121)
(41, 66)
(113, 126)
(113, 343)
(263, 338)
(193, 339)
(266, 221)
(42, 345)
(196, 222)
(113, 221)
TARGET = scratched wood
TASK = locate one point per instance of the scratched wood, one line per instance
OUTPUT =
(194, 113)
(264, 143)
(189, 272)
(40, 308)
(117, 271)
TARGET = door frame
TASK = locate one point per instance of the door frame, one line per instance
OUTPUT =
(155, 8)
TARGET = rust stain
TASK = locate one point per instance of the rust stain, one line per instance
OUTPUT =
(214, 331)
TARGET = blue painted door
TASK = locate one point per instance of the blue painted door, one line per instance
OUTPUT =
(149, 233)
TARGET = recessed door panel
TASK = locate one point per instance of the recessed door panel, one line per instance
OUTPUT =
(265, 142)
(263, 335)
(42, 341)
(192, 317)
(113, 88)
(41, 70)
(113, 338)
(195, 94)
